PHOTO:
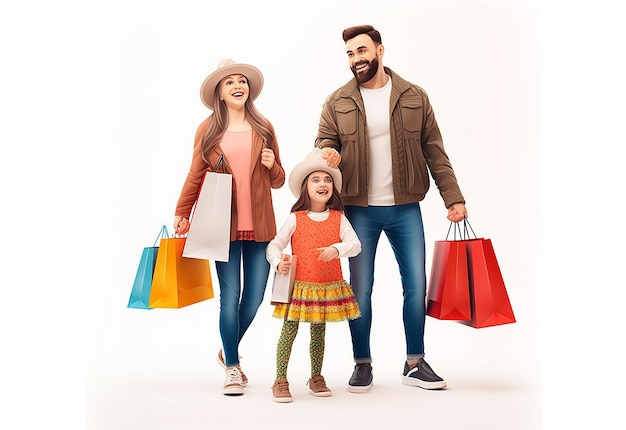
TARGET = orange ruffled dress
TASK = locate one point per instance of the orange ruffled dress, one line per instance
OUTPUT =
(320, 294)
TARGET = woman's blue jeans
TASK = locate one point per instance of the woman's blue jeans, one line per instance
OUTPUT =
(238, 307)
(405, 231)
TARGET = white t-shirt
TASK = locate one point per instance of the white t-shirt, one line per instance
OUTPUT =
(377, 113)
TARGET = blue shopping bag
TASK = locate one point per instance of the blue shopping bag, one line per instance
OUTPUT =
(140, 293)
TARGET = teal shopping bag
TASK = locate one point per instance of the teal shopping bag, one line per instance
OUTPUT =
(140, 293)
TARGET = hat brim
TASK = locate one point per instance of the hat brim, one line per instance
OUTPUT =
(309, 165)
(254, 76)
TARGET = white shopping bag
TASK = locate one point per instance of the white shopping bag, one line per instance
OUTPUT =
(282, 289)
(209, 233)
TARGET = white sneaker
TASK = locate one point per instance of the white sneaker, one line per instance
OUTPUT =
(220, 360)
(233, 385)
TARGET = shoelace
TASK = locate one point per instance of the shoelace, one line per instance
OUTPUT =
(318, 382)
(220, 357)
(234, 377)
(282, 386)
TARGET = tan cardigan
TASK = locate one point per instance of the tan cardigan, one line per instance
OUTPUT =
(262, 181)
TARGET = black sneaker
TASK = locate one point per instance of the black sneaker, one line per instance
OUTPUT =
(422, 376)
(362, 379)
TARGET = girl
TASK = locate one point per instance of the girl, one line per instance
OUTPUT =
(237, 130)
(320, 235)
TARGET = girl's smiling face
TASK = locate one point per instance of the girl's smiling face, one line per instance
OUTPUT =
(320, 189)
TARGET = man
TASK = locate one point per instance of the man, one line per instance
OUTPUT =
(382, 133)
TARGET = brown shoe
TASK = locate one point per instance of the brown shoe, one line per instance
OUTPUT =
(317, 386)
(220, 360)
(280, 391)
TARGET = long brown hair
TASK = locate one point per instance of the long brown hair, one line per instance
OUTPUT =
(304, 202)
(219, 123)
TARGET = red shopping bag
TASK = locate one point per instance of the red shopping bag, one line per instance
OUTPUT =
(448, 289)
(488, 296)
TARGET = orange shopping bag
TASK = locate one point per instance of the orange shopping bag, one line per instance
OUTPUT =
(179, 281)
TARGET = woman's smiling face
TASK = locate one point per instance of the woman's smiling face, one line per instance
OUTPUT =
(234, 90)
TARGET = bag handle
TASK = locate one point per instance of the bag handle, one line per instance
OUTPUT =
(220, 161)
(466, 224)
(464, 234)
(162, 234)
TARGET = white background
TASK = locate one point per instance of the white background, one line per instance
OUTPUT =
(100, 102)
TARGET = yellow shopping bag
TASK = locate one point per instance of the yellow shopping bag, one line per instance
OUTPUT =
(179, 281)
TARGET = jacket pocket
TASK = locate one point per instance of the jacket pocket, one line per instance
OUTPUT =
(412, 113)
(347, 121)
(346, 118)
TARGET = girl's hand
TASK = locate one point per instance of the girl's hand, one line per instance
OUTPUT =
(267, 158)
(328, 253)
(284, 265)
(181, 225)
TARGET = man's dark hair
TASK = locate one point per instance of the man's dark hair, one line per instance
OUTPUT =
(352, 32)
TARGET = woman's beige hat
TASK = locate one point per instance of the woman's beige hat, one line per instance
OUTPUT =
(225, 68)
(312, 163)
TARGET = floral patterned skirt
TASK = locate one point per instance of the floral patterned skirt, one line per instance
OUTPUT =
(319, 303)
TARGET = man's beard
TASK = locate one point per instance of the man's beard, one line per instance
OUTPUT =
(371, 71)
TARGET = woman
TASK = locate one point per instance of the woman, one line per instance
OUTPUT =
(246, 139)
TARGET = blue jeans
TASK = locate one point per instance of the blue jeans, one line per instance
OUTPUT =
(405, 231)
(237, 309)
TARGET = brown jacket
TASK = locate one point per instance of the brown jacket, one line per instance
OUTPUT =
(416, 144)
(262, 181)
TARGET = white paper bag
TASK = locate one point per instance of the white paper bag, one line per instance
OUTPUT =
(209, 233)
(283, 284)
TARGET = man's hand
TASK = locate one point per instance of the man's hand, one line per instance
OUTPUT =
(457, 212)
(332, 157)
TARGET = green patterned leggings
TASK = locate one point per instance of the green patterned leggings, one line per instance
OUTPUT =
(285, 343)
